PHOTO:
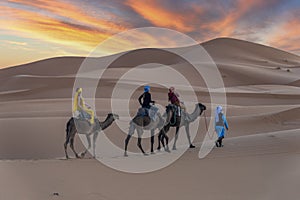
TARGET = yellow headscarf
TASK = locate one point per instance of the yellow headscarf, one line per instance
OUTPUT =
(75, 100)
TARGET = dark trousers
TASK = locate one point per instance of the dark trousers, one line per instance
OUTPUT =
(219, 141)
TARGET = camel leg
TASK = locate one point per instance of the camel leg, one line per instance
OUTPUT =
(167, 143)
(139, 143)
(164, 137)
(66, 148)
(126, 144)
(89, 146)
(72, 147)
(176, 137)
(152, 141)
(94, 143)
(71, 131)
(66, 145)
(160, 135)
(130, 133)
(187, 130)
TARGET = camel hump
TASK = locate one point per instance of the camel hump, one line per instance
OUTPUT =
(141, 120)
(141, 112)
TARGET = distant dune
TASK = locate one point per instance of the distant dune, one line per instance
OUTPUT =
(240, 63)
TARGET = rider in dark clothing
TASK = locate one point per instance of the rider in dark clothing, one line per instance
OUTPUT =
(146, 96)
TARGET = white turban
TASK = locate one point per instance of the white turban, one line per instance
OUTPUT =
(218, 111)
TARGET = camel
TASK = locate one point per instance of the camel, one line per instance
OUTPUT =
(178, 121)
(141, 123)
(82, 126)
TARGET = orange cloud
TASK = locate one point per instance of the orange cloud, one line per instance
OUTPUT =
(57, 37)
(45, 28)
(227, 25)
(64, 24)
(288, 35)
(159, 16)
(195, 18)
(70, 11)
(16, 43)
(65, 27)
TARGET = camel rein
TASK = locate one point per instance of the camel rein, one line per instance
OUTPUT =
(205, 121)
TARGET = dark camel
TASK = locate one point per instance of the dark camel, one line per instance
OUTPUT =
(141, 123)
(178, 121)
(82, 126)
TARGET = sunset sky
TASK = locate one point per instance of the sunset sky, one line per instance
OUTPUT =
(37, 29)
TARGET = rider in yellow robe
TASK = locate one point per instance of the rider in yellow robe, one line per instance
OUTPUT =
(80, 105)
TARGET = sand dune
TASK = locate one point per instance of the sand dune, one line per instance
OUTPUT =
(260, 159)
(295, 83)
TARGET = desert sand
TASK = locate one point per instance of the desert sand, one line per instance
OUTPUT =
(260, 159)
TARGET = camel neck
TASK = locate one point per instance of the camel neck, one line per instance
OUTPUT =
(193, 116)
(107, 122)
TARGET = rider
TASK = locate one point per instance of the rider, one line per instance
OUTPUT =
(173, 96)
(220, 122)
(80, 106)
(174, 99)
(146, 97)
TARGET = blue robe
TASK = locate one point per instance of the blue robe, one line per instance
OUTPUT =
(220, 130)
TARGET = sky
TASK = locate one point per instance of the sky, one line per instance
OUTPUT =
(36, 29)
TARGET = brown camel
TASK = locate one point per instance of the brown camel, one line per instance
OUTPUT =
(82, 126)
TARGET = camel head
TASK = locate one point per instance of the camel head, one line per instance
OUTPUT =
(201, 106)
(114, 116)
